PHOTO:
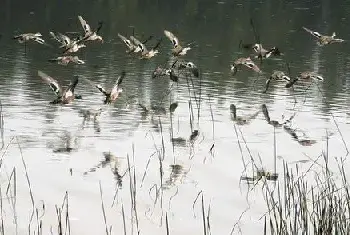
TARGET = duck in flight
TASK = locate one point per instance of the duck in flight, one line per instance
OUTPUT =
(89, 34)
(166, 71)
(23, 38)
(306, 76)
(323, 39)
(177, 50)
(63, 96)
(276, 76)
(190, 66)
(145, 53)
(69, 45)
(113, 94)
(261, 52)
(247, 62)
(162, 72)
(132, 47)
(65, 60)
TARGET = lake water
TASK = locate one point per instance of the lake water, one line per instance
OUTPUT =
(214, 30)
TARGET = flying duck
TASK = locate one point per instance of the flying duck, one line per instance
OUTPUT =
(69, 45)
(145, 53)
(247, 62)
(323, 39)
(113, 94)
(177, 50)
(21, 38)
(63, 96)
(64, 60)
(276, 76)
(89, 34)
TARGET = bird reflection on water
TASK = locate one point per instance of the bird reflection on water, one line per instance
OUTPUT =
(242, 120)
(91, 115)
(68, 144)
(177, 175)
(114, 162)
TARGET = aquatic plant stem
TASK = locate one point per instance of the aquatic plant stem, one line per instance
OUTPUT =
(103, 209)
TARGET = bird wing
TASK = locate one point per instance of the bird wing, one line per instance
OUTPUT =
(314, 33)
(70, 89)
(54, 85)
(172, 38)
(250, 64)
(118, 82)
(64, 38)
(18, 36)
(85, 25)
(38, 40)
(54, 36)
(98, 86)
(126, 41)
(139, 44)
(101, 89)
(55, 59)
(337, 40)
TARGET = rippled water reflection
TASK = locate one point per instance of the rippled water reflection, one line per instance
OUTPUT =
(64, 152)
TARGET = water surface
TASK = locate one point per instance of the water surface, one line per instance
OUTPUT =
(214, 30)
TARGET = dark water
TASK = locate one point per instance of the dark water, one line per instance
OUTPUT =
(215, 30)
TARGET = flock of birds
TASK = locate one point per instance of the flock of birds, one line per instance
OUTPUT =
(138, 47)
(135, 46)
(277, 75)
